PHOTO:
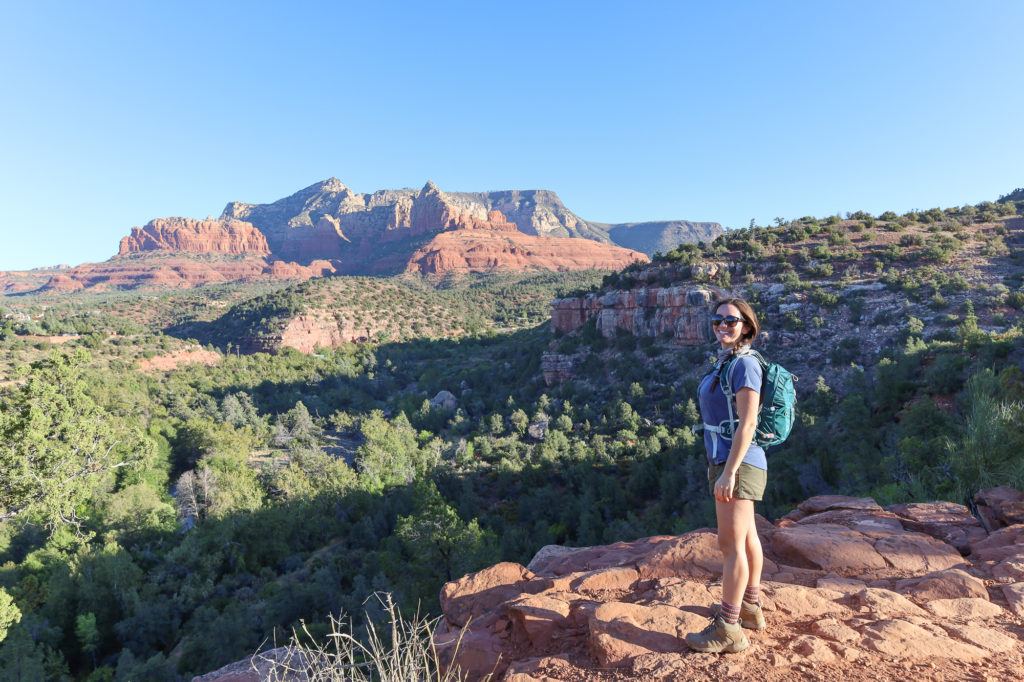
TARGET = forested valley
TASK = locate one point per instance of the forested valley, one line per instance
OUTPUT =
(161, 523)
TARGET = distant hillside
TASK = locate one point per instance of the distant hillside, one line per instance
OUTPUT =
(331, 312)
(661, 236)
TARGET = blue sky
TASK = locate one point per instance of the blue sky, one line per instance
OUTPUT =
(115, 113)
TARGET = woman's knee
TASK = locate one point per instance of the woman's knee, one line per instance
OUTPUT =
(730, 548)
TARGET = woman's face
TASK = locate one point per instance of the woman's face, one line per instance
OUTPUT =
(726, 335)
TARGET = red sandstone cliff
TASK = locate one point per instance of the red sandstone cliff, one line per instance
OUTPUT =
(483, 250)
(187, 235)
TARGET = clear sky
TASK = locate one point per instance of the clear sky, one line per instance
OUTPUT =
(114, 113)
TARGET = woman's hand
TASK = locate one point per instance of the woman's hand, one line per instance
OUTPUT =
(724, 487)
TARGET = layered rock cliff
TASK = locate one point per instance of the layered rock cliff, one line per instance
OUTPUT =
(327, 227)
(852, 591)
(678, 312)
(484, 249)
(187, 235)
(406, 213)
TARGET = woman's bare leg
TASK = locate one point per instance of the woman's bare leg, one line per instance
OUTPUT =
(755, 556)
(735, 520)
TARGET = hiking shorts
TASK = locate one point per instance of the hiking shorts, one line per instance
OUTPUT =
(750, 481)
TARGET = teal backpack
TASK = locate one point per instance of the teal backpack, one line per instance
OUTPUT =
(777, 411)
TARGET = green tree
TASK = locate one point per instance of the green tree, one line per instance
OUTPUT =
(437, 545)
(390, 454)
(9, 613)
(56, 443)
(87, 634)
(520, 421)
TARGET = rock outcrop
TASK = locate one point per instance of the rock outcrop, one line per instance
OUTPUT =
(327, 227)
(187, 235)
(392, 215)
(679, 312)
(313, 330)
(852, 591)
(491, 245)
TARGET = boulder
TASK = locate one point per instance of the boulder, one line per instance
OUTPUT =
(444, 401)
(620, 631)
(480, 593)
(952, 523)
(1014, 595)
(1000, 506)
(949, 584)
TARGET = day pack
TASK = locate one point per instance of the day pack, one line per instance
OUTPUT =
(777, 410)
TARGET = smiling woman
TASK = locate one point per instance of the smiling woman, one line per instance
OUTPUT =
(737, 472)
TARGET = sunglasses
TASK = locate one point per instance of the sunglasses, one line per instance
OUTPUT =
(729, 320)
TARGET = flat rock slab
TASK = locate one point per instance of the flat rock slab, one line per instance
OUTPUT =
(964, 608)
(619, 631)
(948, 584)
(852, 553)
(903, 639)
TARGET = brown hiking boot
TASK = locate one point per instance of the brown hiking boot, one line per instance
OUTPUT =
(718, 637)
(751, 616)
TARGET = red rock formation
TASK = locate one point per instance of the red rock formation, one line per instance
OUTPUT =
(481, 249)
(21, 281)
(852, 592)
(651, 311)
(187, 235)
(317, 329)
(178, 272)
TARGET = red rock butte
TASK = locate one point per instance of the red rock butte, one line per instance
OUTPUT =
(187, 235)
(327, 228)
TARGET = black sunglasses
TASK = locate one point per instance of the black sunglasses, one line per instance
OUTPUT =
(729, 320)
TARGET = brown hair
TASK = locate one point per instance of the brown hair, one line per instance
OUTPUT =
(749, 316)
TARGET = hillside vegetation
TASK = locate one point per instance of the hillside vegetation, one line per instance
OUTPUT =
(222, 504)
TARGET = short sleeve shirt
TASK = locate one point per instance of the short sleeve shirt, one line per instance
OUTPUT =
(745, 372)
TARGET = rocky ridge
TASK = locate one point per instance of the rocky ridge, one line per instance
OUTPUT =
(227, 236)
(328, 228)
(852, 591)
(403, 213)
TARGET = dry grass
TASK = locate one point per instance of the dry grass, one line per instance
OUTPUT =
(401, 651)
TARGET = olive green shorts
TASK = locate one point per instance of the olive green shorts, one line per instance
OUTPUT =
(750, 481)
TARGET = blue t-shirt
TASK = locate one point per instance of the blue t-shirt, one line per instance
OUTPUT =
(745, 372)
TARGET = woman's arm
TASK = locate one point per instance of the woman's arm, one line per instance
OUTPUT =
(747, 400)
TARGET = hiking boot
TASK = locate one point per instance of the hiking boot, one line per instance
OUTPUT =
(718, 637)
(752, 617)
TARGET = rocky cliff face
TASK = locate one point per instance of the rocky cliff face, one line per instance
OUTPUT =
(405, 213)
(186, 235)
(483, 249)
(678, 312)
(384, 233)
(852, 591)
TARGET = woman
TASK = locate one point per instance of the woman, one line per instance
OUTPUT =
(737, 474)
